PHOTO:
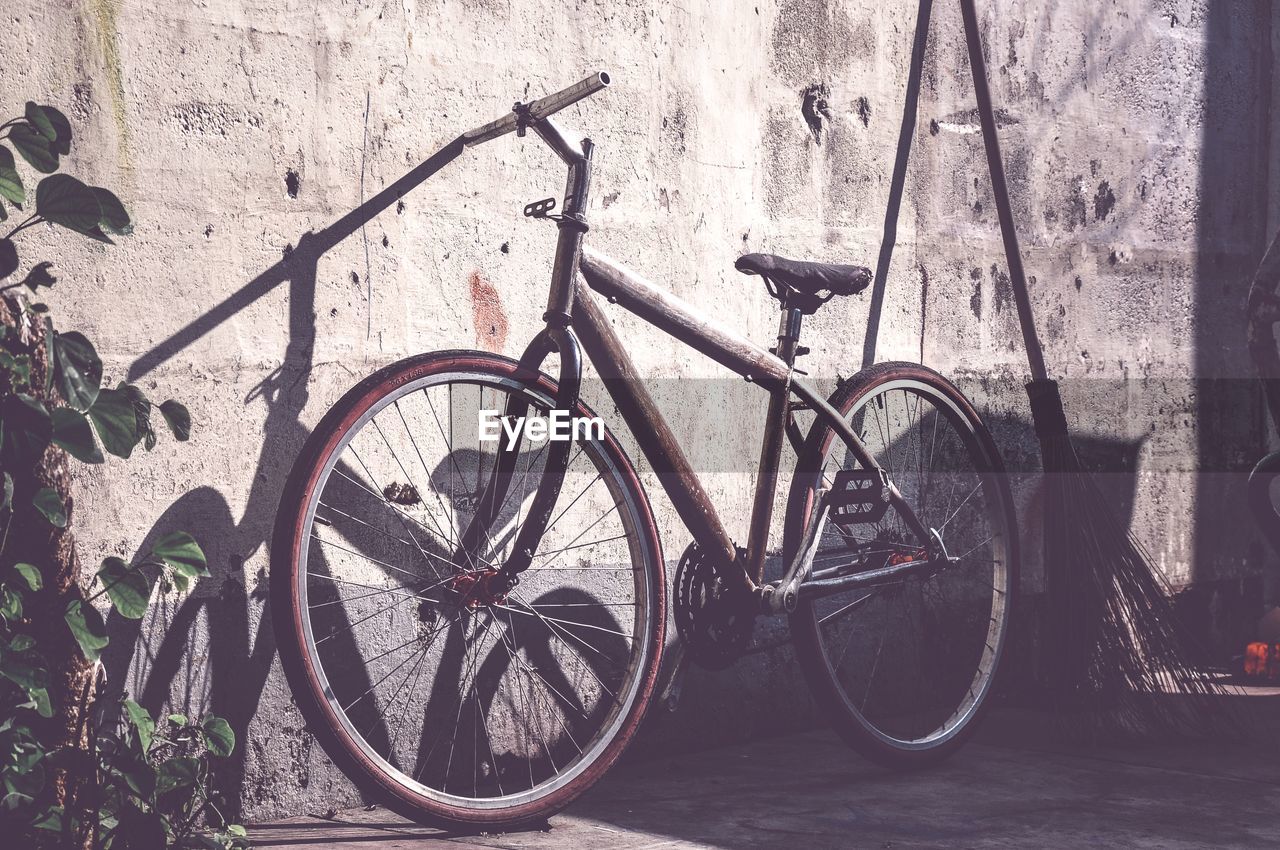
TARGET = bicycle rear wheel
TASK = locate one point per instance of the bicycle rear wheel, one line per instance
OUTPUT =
(904, 669)
(452, 704)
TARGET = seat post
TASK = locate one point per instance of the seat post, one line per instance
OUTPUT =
(775, 426)
(789, 333)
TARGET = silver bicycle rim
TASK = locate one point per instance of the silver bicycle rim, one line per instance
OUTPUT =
(979, 686)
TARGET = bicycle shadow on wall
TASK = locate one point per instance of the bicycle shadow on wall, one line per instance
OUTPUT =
(153, 660)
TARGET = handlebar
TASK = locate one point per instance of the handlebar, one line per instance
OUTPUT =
(536, 110)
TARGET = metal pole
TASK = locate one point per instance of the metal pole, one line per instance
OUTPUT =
(1000, 189)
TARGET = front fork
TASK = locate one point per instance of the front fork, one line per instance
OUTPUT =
(554, 338)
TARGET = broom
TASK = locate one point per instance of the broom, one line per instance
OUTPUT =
(1112, 647)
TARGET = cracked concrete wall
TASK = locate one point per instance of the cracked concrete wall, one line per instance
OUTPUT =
(1137, 140)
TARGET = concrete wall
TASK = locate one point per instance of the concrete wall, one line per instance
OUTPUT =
(1137, 140)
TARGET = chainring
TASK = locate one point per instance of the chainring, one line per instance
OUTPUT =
(714, 626)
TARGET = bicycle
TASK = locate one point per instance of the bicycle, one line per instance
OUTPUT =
(474, 634)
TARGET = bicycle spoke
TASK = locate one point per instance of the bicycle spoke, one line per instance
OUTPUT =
(365, 586)
(557, 630)
(444, 511)
(533, 611)
(582, 545)
(366, 618)
(849, 608)
(975, 489)
(408, 478)
(911, 652)
(368, 558)
(545, 679)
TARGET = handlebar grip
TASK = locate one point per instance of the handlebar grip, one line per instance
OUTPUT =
(538, 109)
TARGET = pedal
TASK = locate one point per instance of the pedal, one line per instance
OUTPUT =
(858, 496)
(539, 209)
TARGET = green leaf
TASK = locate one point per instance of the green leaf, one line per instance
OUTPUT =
(181, 552)
(8, 257)
(72, 432)
(19, 367)
(10, 180)
(114, 218)
(77, 369)
(113, 416)
(48, 502)
(95, 233)
(34, 148)
(178, 419)
(27, 428)
(138, 774)
(39, 276)
(179, 719)
(50, 819)
(10, 604)
(40, 696)
(28, 780)
(177, 773)
(141, 414)
(128, 587)
(25, 671)
(237, 830)
(218, 737)
(14, 800)
(87, 628)
(61, 126)
(64, 200)
(31, 575)
(141, 830)
(140, 720)
(35, 114)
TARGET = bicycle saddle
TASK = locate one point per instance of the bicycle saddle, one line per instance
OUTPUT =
(819, 281)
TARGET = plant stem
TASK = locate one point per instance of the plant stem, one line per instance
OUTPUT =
(34, 218)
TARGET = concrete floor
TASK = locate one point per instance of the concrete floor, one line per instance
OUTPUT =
(1007, 789)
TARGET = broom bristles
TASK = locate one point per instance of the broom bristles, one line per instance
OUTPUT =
(1116, 658)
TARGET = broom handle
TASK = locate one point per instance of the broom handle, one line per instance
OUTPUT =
(1000, 188)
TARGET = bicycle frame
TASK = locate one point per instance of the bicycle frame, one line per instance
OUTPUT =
(574, 318)
(661, 448)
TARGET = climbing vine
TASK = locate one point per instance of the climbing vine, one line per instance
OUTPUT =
(73, 773)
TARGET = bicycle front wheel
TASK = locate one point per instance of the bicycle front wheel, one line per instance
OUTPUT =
(905, 667)
(450, 699)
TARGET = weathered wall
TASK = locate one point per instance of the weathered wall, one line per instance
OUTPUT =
(1137, 144)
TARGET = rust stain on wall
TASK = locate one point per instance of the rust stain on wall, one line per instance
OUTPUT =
(486, 308)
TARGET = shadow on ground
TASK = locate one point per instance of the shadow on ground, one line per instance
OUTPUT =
(1013, 787)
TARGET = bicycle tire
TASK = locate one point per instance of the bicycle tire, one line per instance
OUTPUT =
(367, 770)
(822, 676)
